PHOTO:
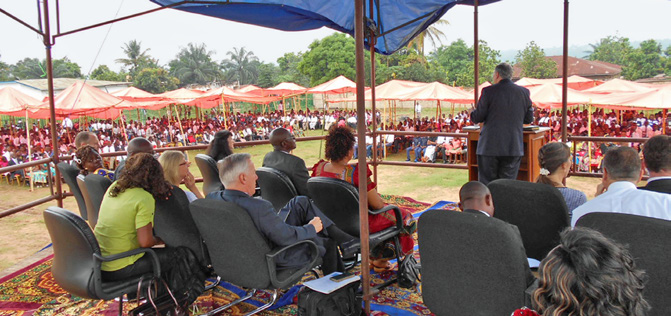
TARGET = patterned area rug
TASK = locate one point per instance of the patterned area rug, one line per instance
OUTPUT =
(33, 291)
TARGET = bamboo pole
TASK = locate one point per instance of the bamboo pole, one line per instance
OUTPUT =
(30, 154)
(181, 129)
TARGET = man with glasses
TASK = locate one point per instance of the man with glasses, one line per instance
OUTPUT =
(282, 159)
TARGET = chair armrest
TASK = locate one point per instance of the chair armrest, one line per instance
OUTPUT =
(154, 258)
(272, 266)
(528, 293)
(397, 212)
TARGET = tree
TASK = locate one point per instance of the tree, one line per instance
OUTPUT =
(432, 33)
(288, 69)
(194, 65)
(241, 66)
(667, 61)
(644, 62)
(103, 72)
(136, 58)
(534, 64)
(64, 68)
(408, 64)
(611, 49)
(33, 68)
(457, 61)
(268, 75)
(5, 72)
(155, 80)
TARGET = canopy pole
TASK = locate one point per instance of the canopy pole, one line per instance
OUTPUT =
(564, 88)
(30, 154)
(361, 130)
(123, 128)
(476, 53)
(371, 44)
(52, 107)
(181, 129)
(663, 122)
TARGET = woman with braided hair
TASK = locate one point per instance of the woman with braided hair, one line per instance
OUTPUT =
(555, 161)
(88, 161)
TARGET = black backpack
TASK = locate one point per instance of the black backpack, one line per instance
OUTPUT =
(343, 301)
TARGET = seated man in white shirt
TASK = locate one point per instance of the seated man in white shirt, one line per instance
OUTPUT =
(617, 192)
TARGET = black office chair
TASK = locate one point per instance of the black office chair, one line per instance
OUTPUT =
(77, 259)
(538, 210)
(210, 172)
(70, 174)
(240, 254)
(276, 187)
(97, 186)
(174, 224)
(339, 201)
(471, 264)
(648, 242)
(81, 182)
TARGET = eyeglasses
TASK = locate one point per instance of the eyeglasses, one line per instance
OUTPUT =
(188, 163)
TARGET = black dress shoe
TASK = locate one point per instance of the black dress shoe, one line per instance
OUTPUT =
(349, 248)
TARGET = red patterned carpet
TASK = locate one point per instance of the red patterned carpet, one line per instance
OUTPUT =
(32, 291)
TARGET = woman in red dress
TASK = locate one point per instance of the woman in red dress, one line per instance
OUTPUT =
(339, 151)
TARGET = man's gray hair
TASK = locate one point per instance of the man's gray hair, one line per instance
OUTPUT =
(505, 70)
(232, 166)
(622, 164)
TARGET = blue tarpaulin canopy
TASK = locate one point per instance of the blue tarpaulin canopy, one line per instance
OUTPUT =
(395, 22)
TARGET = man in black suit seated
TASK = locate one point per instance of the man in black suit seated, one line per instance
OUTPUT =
(657, 159)
(503, 108)
(475, 198)
(299, 220)
(282, 159)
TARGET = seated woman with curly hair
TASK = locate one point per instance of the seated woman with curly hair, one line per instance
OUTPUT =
(588, 274)
(339, 151)
(126, 221)
(88, 161)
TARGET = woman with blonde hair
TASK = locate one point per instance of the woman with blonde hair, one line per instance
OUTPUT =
(555, 161)
(176, 169)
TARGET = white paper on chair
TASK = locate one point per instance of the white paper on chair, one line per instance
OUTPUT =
(533, 263)
(326, 286)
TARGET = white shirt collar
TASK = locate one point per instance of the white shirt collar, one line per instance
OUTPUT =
(659, 178)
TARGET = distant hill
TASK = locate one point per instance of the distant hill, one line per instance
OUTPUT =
(580, 51)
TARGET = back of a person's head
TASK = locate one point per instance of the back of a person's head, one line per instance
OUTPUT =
(622, 164)
(232, 166)
(139, 145)
(142, 170)
(219, 148)
(505, 70)
(83, 138)
(657, 153)
(550, 157)
(589, 274)
(339, 141)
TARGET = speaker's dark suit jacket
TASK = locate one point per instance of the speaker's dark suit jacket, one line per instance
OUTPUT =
(661, 186)
(514, 234)
(292, 166)
(503, 108)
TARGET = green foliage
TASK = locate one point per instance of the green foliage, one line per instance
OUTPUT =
(611, 49)
(457, 63)
(5, 72)
(32, 68)
(155, 80)
(534, 64)
(64, 68)
(644, 62)
(288, 69)
(194, 65)
(241, 67)
(104, 73)
(268, 75)
(667, 61)
(136, 58)
(432, 33)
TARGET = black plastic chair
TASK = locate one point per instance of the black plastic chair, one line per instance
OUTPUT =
(70, 174)
(276, 187)
(471, 264)
(339, 201)
(210, 172)
(81, 182)
(538, 210)
(77, 259)
(240, 254)
(97, 186)
(648, 241)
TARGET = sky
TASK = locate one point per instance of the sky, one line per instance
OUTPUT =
(505, 25)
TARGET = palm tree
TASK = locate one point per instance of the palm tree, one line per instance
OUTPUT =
(194, 65)
(136, 57)
(432, 33)
(241, 66)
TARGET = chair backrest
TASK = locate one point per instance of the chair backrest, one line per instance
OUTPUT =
(538, 210)
(237, 249)
(338, 200)
(210, 172)
(174, 224)
(471, 264)
(81, 182)
(70, 173)
(649, 242)
(74, 246)
(276, 187)
(97, 186)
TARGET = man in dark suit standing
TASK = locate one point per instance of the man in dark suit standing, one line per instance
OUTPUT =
(503, 108)
(282, 159)
(657, 159)
(475, 198)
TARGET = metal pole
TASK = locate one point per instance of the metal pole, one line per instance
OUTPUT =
(564, 89)
(361, 130)
(476, 48)
(371, 43)
(52, 106)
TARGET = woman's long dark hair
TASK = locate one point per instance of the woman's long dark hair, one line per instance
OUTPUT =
(339, 141)
(142, 170)
(219, 148)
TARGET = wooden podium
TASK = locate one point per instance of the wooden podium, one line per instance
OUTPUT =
(529, 168)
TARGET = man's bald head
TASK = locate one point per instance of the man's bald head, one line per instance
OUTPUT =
(87, 138)
(475, 195)
(139, 145)
(281, 139)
